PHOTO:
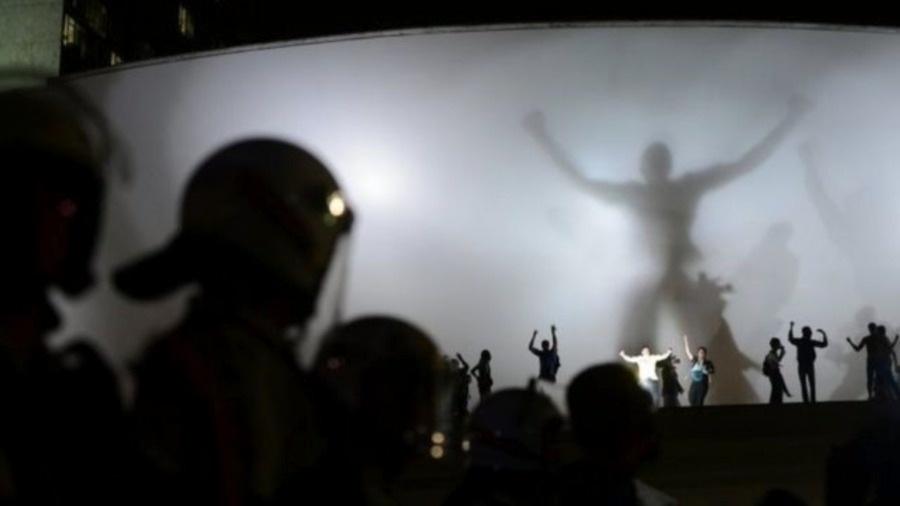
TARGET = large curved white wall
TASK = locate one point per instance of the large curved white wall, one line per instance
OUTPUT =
(468, 228)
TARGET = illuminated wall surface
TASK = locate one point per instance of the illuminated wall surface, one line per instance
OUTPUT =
(470, 229)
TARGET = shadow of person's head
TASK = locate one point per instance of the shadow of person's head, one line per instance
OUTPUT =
(656, 163)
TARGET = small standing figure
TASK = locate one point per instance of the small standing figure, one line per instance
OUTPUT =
(671, 387)
(869, 342)
(547, 356)
(886, 386)
(701, 371)
(772, 370)
(482, 374)
(806, 359)
(647, 376)
(463, 380)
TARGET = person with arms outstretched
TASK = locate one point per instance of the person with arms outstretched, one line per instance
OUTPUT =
(806, 358)
(647, 376)
(772, 370)
(701, 371)
(547, 356)
(666, 209)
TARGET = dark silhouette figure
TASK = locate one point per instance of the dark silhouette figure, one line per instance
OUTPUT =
(463, 380)
(671, 386)
(883, 364)
(377, 381)
(866, 469)
(222, 410)
(482, 374)
(454, 411)
(614, 427)
(869, 342)
(548, 356)
(516, 437)
(850, 386)
(60, 439)
(772, 370)
(702, 370)
(97, 419)
(666, 209)
(806, 358)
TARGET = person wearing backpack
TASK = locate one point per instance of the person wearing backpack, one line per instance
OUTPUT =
(772, 370)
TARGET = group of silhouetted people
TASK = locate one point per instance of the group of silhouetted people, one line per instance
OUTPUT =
(881, 362)
(223, 412)
(460, 379)
(658, 375)
(518, 445)
(806, 357)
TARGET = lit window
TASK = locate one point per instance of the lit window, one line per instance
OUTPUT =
(185, 22)
(70, 31)
(114, 59)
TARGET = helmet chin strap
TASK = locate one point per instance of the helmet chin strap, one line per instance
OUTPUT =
(329, 306)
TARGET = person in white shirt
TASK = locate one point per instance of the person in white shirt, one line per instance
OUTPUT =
(647, 376)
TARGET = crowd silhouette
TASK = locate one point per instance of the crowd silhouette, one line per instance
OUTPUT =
(223, 412)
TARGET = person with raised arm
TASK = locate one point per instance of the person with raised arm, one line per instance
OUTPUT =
(806, 358)
(701, 371)
(548, 356)
(869, 343)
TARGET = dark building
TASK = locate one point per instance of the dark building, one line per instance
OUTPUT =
(101, 33)
(89, 39)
